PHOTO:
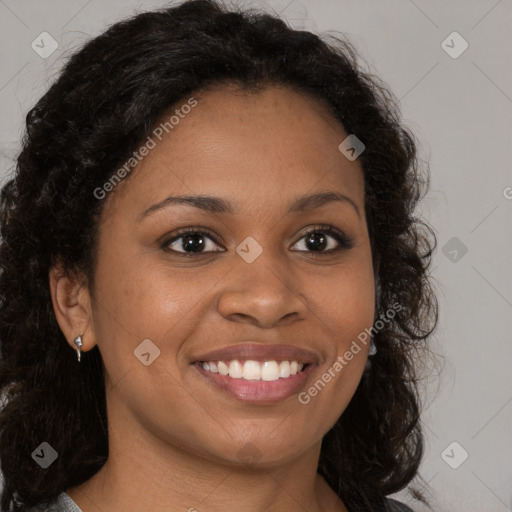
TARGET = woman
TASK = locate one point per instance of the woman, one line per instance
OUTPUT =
(213, 287)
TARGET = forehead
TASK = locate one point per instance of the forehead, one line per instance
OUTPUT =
(272, 145)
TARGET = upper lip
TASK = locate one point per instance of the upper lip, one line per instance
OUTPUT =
(260, 352)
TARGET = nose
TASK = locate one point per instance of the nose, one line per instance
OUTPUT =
(262, 293)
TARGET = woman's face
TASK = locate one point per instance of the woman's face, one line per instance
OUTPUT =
(259, 274)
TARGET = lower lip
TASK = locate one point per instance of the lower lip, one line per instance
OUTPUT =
(258, 391)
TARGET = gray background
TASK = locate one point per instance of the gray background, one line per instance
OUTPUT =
(461, 111)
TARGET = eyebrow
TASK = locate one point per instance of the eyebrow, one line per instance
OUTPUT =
(218, 205)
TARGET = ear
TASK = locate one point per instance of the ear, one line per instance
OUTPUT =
(72, 306)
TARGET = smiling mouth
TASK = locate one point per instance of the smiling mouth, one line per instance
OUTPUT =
(257, 373)
(251, 370)
(256, 382)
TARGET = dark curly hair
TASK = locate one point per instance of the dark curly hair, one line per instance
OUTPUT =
(107, 99)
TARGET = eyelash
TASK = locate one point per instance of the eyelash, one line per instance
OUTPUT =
(343, 240)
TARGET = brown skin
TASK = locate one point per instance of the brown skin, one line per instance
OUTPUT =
(174, 439)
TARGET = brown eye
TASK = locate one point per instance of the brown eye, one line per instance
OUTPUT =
(325, 240)
(191, 243)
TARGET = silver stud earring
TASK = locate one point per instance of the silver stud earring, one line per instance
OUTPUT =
(78, 343)
(378, 292)
(373, 348)
(371, 352)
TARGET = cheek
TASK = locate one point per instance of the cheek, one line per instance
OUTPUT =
(343, 307)
(343, 302)
(138, 301)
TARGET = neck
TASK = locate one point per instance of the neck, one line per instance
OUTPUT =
(145, 473)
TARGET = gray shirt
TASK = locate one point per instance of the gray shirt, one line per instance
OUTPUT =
(63, 504)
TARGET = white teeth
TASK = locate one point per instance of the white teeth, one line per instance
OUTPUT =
(270, 370)
(223, 368)
(284, 369)
(254, 370)
(235, 370)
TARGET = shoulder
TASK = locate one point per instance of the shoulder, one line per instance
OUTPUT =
(63, 503)
(396, 506)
